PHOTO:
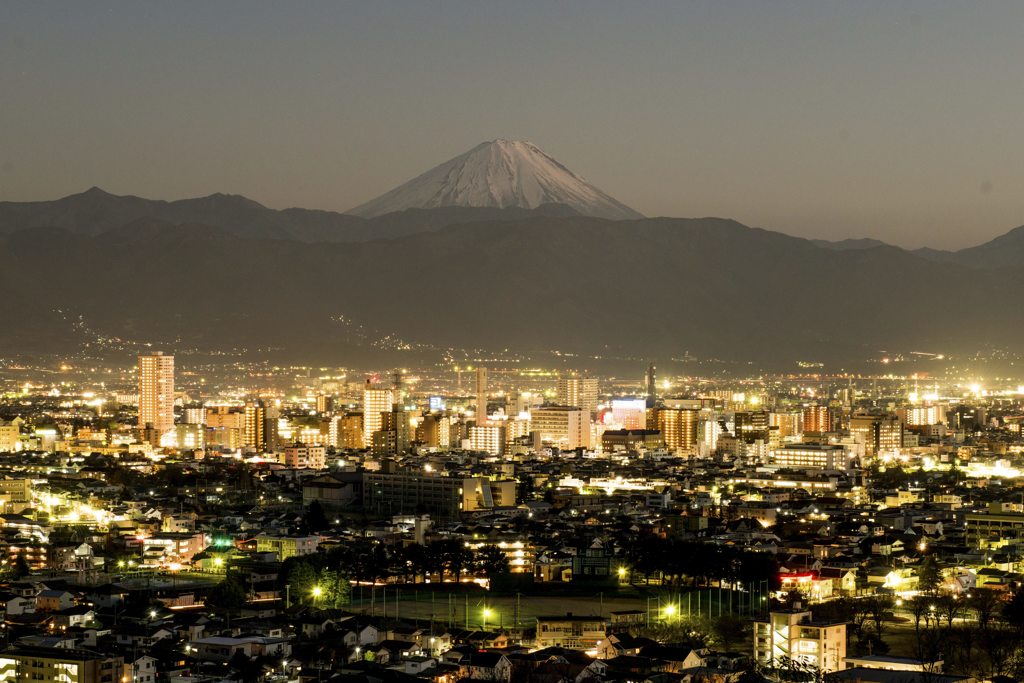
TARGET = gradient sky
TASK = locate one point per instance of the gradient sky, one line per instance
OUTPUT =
(895, 120)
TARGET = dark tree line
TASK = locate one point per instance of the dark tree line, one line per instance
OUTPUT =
(691, 563)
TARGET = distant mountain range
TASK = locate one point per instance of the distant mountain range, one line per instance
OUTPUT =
(223, 271)
(95, 211)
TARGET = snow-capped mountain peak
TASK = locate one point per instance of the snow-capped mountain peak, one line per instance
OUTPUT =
(500, 173)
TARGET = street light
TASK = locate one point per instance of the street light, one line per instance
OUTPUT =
(669, 611)
(487, 613)
(317, 592)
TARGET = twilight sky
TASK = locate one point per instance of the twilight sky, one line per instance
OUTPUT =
(895, 120)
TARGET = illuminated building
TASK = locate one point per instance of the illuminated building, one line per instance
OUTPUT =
(792, 635)
(751, 426)
(810, 455)
(708, 433)
(445, 497)
(615, 440)
(15, 494)
(878, 433)
(287, 546)
(10, 436)
(170, 547)
(156, 394)
(579, 392)
(562, 426)
(922, 416)
(817, 420)
(346, 431)
(573, 632)
(994, 528)
(324, 403)
(375, 402)
(678, 427)
(810, 584)
(481, 395)
(630, 413)
(225, 427)
(516, 429)
(190, 436)
(489, 438)
(520, 554)
(789, 424)
(255, 425)
(302, 456)
(434, 430)
(67, 665)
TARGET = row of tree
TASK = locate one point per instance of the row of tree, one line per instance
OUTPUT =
(693, 563)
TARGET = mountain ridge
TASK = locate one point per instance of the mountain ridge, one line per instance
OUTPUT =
(579, 284)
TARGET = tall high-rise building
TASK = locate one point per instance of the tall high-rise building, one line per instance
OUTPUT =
(375, 402)
(789, 422)
(324, 403)
(481, 395)
(652, 385)
(817, 419)
(156, 394)
(579, 392)
(678, 427)
(751, 426)
(255, 435)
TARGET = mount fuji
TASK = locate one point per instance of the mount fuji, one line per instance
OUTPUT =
(499, 174)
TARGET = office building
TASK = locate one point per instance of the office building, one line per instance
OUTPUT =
(579, 392)
(812, 456)
(566, 427)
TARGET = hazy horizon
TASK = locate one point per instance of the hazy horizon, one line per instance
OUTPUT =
(821, 120)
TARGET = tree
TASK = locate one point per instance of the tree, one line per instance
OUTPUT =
(21, 567)
(228, 595)
(248, 670)
(315, 519)
(491, 561)
(1013, 611)
(928, 576)
(985, 602)
(950, 607)
(729, 630)
(312, 582)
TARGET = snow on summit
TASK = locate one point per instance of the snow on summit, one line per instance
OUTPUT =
(501, 174)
